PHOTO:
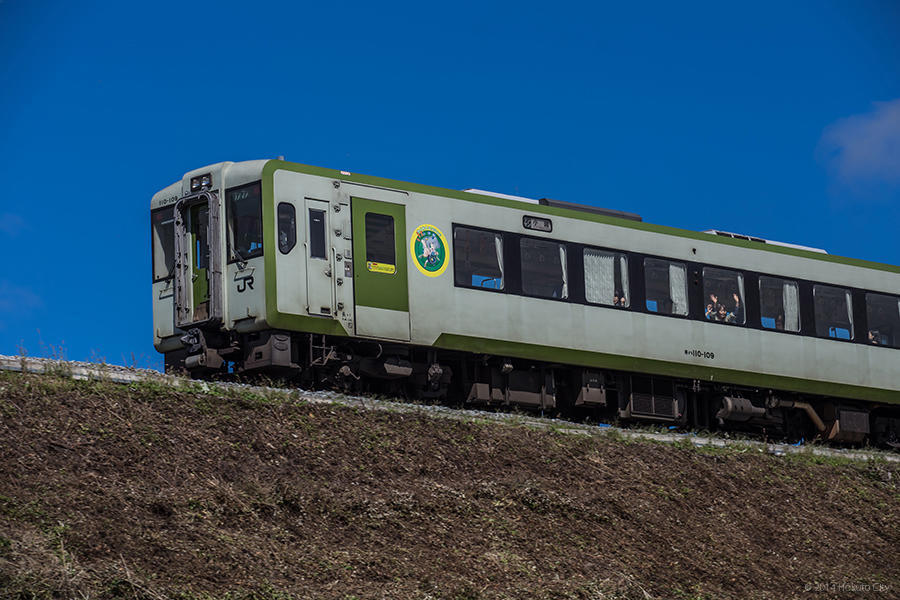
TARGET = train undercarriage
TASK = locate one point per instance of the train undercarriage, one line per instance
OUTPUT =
(351, 365)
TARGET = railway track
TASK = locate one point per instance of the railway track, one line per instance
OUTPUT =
(126, 375)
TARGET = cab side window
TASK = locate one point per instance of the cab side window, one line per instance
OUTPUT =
(883, 316)
(833, 312)
(478, 258)
(666, 286)
(287, 227)
(244, 214)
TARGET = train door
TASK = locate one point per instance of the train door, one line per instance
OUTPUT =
(380, 287)
(198, 227)
(319, 264)
(198, 261)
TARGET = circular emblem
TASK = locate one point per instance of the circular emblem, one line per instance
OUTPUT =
(428, 247)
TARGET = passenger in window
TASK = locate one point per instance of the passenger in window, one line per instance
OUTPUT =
(874, 338)
(619, 298)
(779, 322)
(723, 315)
(738, 312)
(711, 307)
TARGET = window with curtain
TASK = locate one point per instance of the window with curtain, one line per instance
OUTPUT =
(544, 272)
(606, 278)
(478, 258)
(833, 312)
(723, 293)
(883, 317)
(779, 304)
(666, 286)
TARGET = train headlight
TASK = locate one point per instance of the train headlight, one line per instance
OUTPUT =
(201, 182)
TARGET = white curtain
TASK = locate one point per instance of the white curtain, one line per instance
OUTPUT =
(498, 244)
(791, 301)
(565, 271)
(678, 288)
(599, 276)
(850, 313)
(740, 284)
(623, 264)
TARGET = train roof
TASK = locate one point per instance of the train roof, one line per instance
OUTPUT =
(558, 208)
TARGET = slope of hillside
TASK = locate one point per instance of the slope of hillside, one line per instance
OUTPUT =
(142, 491)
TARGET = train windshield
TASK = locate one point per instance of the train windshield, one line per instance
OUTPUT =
(244, 206)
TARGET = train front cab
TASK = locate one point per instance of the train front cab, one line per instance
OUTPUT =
(239, 273)
(208, 275)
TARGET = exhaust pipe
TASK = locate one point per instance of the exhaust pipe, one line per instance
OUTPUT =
(774, 402)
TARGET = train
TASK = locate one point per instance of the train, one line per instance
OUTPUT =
(337, 279)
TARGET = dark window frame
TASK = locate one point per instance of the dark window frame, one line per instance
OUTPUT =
(854, 324)
(694, 282)
(393, 236)
(292, 238)
(865, 341)
(324, 241)
(229, 232)
(742, 274)
(800, 311)
(629, 293)
(504, 240)
(171, 209)
(687, 283)
(519, 239)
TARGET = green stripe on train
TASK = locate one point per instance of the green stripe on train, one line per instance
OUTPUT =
(601, 360)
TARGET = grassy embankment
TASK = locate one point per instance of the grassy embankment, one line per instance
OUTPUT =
(142, 491)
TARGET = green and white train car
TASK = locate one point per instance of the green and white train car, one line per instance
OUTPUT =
(344, 279)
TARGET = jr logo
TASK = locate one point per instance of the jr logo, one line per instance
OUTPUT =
(244, 283)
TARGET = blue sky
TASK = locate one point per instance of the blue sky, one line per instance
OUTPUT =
(780, 120)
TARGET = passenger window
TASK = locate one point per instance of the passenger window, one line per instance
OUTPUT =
(244, 214)
(478, 258)
(381, 254)
(317, 234)
(544, 270)
(163, 222)
(723, 293)
(287, 227)
(883, 316)
(606, 278)
(666, 286)
(833, 310)
(779, 304)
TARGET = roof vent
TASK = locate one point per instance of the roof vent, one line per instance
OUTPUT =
(596, 210)
(499, 195)
(750, 238)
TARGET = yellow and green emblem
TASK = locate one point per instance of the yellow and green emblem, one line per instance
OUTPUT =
(428, 247)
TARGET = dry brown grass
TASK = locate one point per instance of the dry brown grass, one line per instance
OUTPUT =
(140, 491)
